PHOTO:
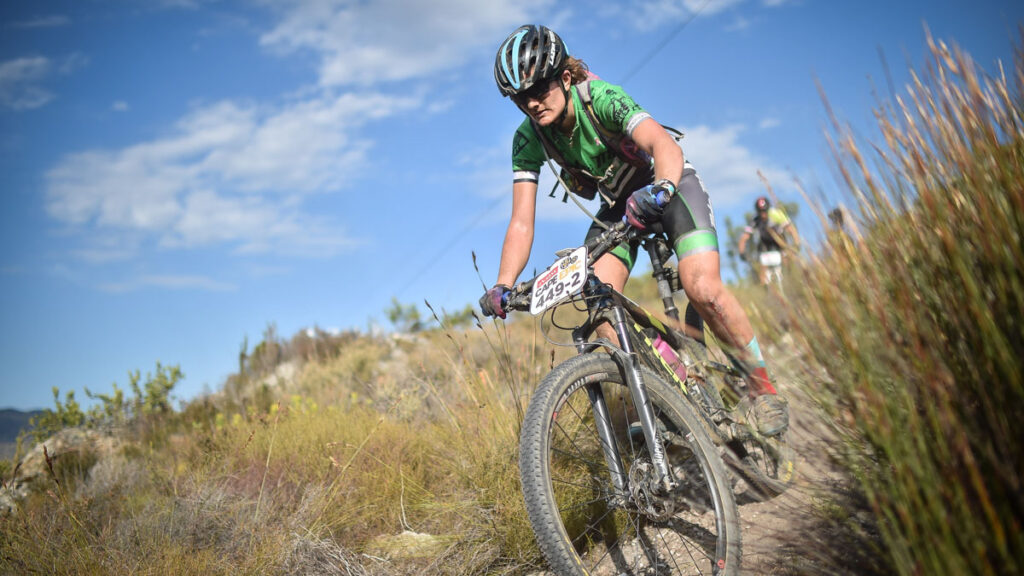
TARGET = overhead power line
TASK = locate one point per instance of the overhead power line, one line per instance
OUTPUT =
(472, 223)
(654, 51)
(444, 250)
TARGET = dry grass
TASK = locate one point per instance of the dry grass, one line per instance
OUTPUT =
(914, 312)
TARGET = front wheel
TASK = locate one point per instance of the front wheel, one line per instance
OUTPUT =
(585, 521)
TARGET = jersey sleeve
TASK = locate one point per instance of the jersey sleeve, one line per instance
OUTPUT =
(614, 109)
(527, 154)
(777, 217)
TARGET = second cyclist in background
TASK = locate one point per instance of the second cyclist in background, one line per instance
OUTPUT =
(772, 235)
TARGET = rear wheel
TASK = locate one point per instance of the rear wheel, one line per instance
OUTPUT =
(584, 522)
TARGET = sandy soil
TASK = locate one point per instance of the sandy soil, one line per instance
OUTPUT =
(772, 528)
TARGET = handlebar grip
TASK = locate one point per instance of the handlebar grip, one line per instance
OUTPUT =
(518, 298)
(515, 300)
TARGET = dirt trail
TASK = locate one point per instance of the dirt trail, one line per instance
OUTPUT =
(772, 530)
(769, 526)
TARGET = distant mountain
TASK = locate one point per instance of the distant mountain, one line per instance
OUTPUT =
(12, 422)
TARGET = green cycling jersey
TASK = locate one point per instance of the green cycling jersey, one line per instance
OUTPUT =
(583, 148)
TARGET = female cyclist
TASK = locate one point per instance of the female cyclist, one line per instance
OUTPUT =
(640, 173)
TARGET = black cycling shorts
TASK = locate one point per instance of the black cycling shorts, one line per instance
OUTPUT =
(688, 221)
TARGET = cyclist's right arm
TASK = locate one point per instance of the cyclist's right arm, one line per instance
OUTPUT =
(744, 238)
(515, 252)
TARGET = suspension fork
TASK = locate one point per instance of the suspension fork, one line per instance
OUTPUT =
(628, 359)
(629, 362)
(603, 423)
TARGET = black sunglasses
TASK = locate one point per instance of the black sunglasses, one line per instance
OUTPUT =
(536, 92)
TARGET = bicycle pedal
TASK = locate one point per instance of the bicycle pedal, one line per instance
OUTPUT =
(741, 431)
(736, 419)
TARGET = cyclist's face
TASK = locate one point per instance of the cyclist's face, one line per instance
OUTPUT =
(536, 92)
(543, 102)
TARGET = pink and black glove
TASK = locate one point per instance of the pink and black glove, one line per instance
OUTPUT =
(646, 205)
(492, 303)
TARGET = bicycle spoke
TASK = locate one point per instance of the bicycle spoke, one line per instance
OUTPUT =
(581, 458)
(636, 528)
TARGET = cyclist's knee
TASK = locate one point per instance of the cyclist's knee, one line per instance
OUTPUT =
(612, 270)
(705, 291)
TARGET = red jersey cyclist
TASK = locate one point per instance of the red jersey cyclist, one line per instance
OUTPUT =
(644, 180)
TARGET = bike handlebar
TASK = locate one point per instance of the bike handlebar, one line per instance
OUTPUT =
(519, 297)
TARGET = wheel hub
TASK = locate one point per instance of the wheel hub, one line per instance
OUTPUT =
(643, 486)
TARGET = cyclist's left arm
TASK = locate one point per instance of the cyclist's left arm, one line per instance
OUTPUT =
(667, 155)
(744, 238)
(617, 111)
(791, 230)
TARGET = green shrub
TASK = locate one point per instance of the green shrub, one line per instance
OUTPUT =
(66, 415)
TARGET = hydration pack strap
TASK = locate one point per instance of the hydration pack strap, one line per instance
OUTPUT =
(610, 140)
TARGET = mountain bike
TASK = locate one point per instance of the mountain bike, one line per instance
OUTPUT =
(628, 460)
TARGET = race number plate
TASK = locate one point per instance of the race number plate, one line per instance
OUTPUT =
(563, 279)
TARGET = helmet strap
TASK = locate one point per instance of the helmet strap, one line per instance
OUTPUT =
(565, 109)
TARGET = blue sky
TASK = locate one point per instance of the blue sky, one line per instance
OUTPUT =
(176, 175)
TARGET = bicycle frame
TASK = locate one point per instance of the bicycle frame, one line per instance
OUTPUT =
(608, 305)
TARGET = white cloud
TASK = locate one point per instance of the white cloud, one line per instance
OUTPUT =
(20, 82)
(230, 173)
(169, 282)
(183, 4)
(106, 248)
(363, 43)
(22, 79)
(54, 21)
(651, 14)
(739, 23)
(71, 63)
(769, 123)
(728, 169)
(119, 106)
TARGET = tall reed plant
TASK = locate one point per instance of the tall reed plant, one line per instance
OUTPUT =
(916, 310)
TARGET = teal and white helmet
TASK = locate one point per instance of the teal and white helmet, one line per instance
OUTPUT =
(530, 55)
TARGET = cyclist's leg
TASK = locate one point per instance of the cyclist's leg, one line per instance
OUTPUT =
(610, 270)
(613, 268)
(689, 222)
(700, 276)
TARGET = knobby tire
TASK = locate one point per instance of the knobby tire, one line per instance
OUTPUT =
(582, 526)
